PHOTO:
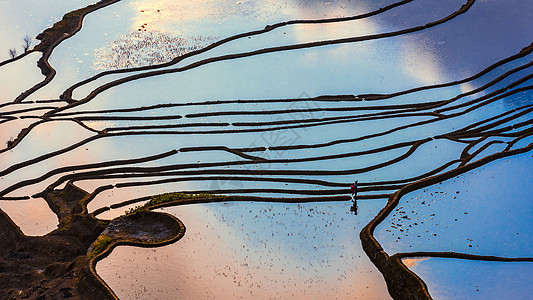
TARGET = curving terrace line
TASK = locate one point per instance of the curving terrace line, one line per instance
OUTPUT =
(464, 8)
(403, 283)
(507, 129)
(524, 52)
(68, 93)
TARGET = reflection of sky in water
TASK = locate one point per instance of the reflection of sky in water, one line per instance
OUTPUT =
(465, 279)
(421, 54)
(340, 70)
(11, 129)
(34, 217)
(485, 212)
(501, 28)
(80, 54)
(447, 52)
(254, 250)
(18, 77)
(418, 54)
(351, 69)
(228, 17)
(108, 149)
(48, 138)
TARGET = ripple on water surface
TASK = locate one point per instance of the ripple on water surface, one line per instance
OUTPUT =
(262, 250)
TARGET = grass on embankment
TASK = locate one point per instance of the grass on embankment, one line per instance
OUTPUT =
(169, 197)
(100, 245)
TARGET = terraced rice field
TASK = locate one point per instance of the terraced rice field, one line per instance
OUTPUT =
(270, 110)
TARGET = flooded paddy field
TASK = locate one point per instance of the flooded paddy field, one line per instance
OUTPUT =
(206, 149)
(259, 250)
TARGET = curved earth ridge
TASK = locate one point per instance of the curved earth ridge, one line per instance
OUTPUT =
(79, 230)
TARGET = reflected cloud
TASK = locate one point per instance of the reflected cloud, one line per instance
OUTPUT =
(312, 32)
(411, 262)
(419, 59)
(162, 14)
(165, 15)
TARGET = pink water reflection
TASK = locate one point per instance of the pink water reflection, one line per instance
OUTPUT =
(223, 256)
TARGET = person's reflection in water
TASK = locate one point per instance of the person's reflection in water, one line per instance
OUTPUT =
(353, 187)
(354, 207)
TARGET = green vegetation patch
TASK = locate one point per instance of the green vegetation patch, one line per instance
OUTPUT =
(170, 197)
(101, 244)
(65, 224)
